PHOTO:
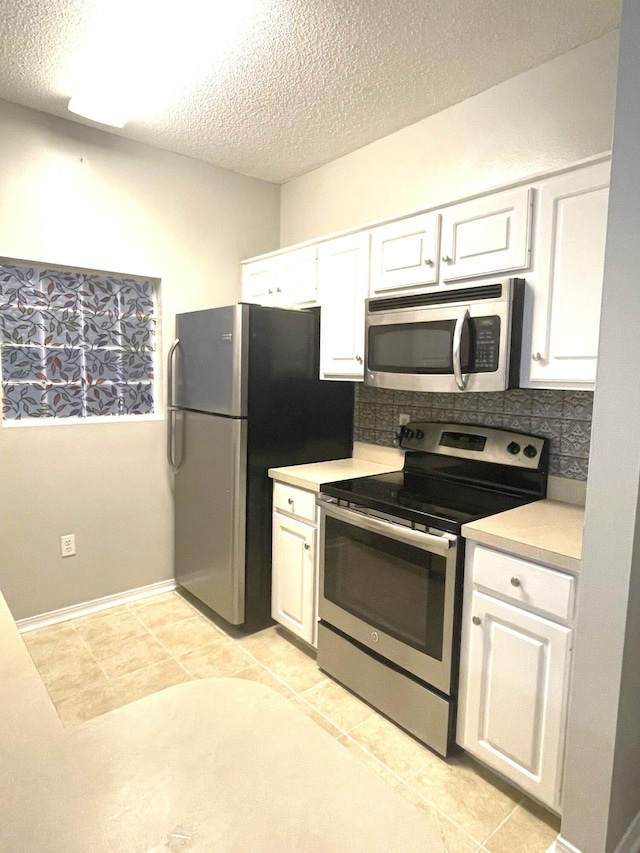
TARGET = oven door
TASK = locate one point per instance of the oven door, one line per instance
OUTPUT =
(390, 588)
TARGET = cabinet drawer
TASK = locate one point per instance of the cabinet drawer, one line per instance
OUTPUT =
(547, 591)
(294, 501)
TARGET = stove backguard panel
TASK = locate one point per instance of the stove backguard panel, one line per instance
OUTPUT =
(564, 417)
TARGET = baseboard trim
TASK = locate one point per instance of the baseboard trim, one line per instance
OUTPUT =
(631, 840)
(95, 606)
(562, 846)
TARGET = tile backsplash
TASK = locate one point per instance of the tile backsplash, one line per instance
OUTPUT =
(564, 417)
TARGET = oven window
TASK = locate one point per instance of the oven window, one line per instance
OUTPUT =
(392, 586)
(427, 348)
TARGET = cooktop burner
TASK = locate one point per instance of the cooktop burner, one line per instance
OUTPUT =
(453, 474)
(433, 502)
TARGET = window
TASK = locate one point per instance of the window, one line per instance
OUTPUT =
(75, 344)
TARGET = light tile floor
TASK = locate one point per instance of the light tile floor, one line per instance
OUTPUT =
(93, 664)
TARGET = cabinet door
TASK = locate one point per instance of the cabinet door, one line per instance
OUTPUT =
(259, 281)
(343, 279)
(404, 254)
(569, 267)
(293, 576)
(515, 693)
(487, 236)
(297, 277)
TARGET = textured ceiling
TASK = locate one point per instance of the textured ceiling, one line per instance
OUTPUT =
(275, 88)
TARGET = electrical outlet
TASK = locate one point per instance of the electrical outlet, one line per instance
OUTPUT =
(68, 544)
(403, 419)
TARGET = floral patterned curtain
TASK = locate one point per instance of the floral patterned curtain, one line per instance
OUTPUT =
(75, 344)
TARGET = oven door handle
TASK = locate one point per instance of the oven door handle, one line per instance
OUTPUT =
(426, 541)
(461, 379)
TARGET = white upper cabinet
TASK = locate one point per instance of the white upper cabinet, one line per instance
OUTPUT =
(297, 283)
(287, 280)
(343, 280)
(259, 281)
(571, 227)
(404, 254)
(551, 231)
(487, 236)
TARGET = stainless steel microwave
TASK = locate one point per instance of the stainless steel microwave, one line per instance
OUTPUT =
(465, 339)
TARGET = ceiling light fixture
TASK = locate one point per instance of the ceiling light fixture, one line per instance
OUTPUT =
(142, 54)
(101, 107)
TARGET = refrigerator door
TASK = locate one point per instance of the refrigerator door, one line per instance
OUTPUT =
(210, 510)
(211, 366)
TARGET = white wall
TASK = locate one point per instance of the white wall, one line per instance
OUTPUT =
(602, 777)
(80, 197)
(546, 118)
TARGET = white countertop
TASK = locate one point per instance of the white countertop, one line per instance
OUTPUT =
(547, 531)
(367, 459)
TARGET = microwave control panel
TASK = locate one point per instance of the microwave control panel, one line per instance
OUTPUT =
(485, 348)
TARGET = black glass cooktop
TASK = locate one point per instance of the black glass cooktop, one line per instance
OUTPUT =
(426, 500)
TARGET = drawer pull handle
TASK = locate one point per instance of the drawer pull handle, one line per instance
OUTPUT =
(515, 581)
(476, 620)
(306, 546)
(290, 501)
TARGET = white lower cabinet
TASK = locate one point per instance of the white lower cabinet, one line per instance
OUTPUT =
(514, 675)
(294, 570)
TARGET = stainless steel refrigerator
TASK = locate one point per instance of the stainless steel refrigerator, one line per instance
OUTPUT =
(244, 396)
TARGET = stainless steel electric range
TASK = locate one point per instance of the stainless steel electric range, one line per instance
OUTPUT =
(391, 566)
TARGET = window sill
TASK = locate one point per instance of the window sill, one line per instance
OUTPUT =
(108, 419)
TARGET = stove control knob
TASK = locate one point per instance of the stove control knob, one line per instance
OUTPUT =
(513, 447)
(419, 434)
(409, 433)
(530, 451)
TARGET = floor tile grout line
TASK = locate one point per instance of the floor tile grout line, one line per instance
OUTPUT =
(343, 733)
(187, 652)
(443, 814)
(67, 696)
(502, 823)
(272, 674)
(378, 761)
(92, 655)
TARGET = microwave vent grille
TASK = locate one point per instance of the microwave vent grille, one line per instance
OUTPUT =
(415, 300)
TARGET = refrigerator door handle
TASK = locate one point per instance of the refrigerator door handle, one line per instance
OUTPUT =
(171, 409)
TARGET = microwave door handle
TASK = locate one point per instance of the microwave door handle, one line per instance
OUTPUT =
(461, 379)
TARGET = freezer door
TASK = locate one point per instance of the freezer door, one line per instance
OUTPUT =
(210, 511)
(211, 366)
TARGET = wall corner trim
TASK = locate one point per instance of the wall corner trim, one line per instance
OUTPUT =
(98, 604)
